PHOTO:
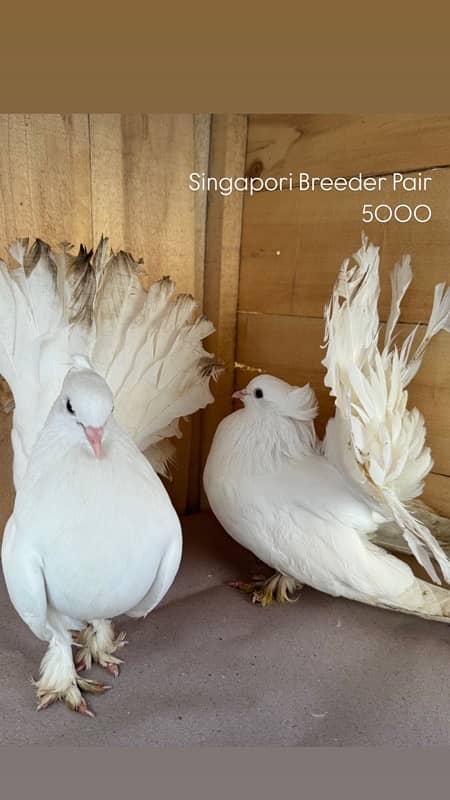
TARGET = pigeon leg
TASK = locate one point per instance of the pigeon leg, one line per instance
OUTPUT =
(59, 680)
(97, 642)
(265, 591)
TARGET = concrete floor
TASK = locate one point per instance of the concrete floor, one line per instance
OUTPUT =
(208, 667)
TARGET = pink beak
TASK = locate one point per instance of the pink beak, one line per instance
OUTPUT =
(94, 437)
(239, 395)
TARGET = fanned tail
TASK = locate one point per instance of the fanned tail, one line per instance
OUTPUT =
(35, 342)
(422, 599)
(57, 304)
(382, 441)
(389, 535)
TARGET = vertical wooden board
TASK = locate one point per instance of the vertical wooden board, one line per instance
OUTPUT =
(344, 144)
(430, 392)
(223, 240)
(45, 192)
(44, 177)
(202, 123)
(140, 188)
(269, 253)
(437, 493)
(202, 138)
(294, 243)
(141, 199)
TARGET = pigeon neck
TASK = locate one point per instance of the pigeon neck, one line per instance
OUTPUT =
(261, 443)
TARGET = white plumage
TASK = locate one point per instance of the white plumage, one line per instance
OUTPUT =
(311, 509)
(100, 369)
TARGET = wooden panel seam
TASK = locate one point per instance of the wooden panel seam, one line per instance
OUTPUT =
(222, 264)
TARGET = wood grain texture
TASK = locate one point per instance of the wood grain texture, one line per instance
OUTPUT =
(141, 199)
(437, 493)
(45, 177)
(72, 177)
(45, 192)
(140, 188)
(202, 136)
(293, 244)
(290, 348)
(223, 240)
(345, 144)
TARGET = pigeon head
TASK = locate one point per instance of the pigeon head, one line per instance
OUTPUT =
(86, 401)
(266, 394)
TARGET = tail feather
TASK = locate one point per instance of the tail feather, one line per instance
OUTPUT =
(401, 277)
(118, 301)
(389, 534)
(80, 288)
(387, 458)
(439, 321)
(424, 600)
(9, 298)
(146, 343)
(138, 346)
(101, 258)
(36, 276)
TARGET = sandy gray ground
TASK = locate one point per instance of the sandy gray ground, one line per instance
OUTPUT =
(208, 667)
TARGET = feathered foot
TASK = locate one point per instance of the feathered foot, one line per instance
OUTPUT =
(265, 591)
(97, 643)
(59, 681)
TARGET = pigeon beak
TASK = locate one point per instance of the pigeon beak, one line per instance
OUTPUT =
(94, 437)
(239, 395)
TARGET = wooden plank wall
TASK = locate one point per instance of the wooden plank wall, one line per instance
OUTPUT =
(223, 241)
(75, 176)
(293, 244)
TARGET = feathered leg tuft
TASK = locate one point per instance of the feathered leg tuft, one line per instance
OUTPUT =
(265, 591)
(97, 642)
(59, 681)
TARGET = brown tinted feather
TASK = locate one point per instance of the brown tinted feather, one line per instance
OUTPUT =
(101, 258)
(210, 367)
(38, 250)
(81, 279)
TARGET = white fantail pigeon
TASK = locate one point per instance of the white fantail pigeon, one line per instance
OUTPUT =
(100, 370)
(312, 509)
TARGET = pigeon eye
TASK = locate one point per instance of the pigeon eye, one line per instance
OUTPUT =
(69, 407)
(259, 393)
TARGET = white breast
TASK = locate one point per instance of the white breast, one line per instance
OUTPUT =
(100, 527)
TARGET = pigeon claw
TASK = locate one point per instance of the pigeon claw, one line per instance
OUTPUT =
(113, 669)
(89, 651)
(93, 687)
(46, 702)
(84, 709)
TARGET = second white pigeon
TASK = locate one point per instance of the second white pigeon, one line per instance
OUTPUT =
(311, 509)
